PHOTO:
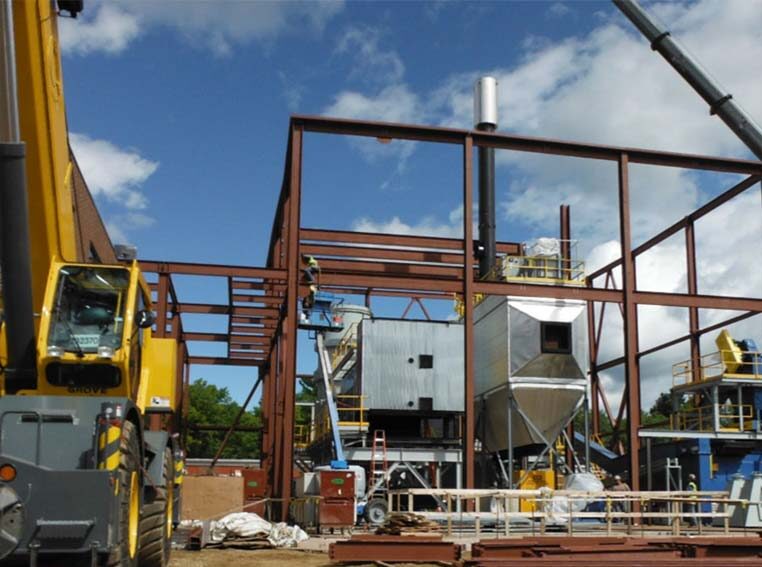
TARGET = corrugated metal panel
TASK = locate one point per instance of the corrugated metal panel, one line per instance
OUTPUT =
(547, 387)
(392, 376)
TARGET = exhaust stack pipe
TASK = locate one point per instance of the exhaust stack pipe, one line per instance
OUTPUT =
(15, 258)
(485, 120)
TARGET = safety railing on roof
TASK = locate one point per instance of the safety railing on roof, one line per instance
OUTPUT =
(731, 418)
(552, 269)
(352, 416)
(714, 365)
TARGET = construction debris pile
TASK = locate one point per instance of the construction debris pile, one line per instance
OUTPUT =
(407, 523)
(244, 529)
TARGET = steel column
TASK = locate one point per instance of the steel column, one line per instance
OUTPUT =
(292, 317)
(693, 312)
(632, 364)
(565, 234)
(469, 433)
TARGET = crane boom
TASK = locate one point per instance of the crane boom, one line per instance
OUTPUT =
(720, 102)
(42, 121)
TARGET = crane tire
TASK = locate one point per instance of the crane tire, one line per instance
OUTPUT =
(156, 523)
(129, 487)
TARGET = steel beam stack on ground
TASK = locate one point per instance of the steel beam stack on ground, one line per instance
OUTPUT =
(627, 552)
(263, 326)
(398, 549)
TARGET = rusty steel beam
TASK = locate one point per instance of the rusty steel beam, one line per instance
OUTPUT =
(521, 143)
(292, 316)
(222, 361)
(208, 337)
(387, 293)
(236, 421)
(253, 330)
(195, 269)
(395, 240)
(224, 337)
(703, 331)
(565, 235)
(322, 250)
(698, 300)
(219, 309)
(693, 312)
(245, 284)
(610, 363)
(683, 223)
(552, 291)
(632, 364)
(254, 323)
(330, 266)
(264, 299)
(399, 549)
(469, 429)
(249, 340)
(391, 283)
(248, 355)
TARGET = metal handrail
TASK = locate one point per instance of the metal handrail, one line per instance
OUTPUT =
(702, 418)
(544, 269)
(359, 412)
(712, 366)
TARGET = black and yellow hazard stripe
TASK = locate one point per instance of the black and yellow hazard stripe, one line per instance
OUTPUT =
(179, 470)
(108, 447)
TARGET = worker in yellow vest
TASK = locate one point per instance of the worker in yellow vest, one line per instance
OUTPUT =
(312, 271)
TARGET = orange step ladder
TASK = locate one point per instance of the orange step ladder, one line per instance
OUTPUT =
(378, 462)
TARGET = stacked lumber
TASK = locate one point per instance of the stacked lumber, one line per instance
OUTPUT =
(407, 523)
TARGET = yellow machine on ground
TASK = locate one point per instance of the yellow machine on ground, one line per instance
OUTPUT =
(81, 474)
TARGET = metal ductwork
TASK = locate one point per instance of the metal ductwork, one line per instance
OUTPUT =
(485, 119)
(18, 310)
(720, 102)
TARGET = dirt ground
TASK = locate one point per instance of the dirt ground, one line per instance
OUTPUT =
(211, 557)
(260, 557)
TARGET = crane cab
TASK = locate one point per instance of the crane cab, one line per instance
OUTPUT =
(95, 338)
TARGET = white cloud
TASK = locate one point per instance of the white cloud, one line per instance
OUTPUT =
(608, 87)
(395, 103)
(119, 226)
(663, 268)
(558, 10)
(111, 27)
(112, 172)
(372, 63)
(110, 30)
(427, 226)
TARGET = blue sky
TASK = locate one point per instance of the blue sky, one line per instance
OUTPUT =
(179, 114)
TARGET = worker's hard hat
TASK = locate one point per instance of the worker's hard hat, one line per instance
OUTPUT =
(691, 476)
(617, 477)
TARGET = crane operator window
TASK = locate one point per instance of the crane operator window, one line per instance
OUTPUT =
(88, 313)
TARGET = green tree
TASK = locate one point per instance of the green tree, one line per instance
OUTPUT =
(211, 405)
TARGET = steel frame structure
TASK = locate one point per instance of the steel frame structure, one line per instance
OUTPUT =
(263, 326)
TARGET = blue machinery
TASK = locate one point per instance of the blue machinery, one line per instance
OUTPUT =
(318, 315)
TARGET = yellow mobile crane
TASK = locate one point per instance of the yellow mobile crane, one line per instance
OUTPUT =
(81, 474)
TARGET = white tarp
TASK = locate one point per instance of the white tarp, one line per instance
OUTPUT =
(249, 525)
(544, 247)
(558, 506)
